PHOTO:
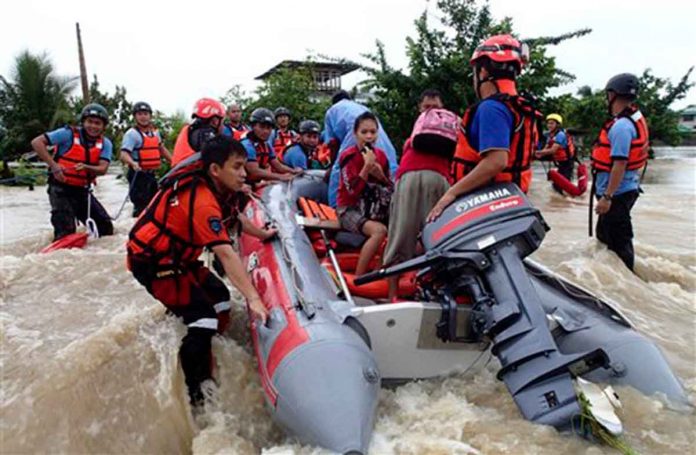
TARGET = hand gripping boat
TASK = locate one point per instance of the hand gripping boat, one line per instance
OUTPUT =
(322, 356)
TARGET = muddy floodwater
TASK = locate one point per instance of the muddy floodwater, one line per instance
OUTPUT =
(89, 359)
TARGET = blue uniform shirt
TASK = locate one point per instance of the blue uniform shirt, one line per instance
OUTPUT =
(251, 150)
(132, 142)
(227, 130)
(621, 134)
(338, 125)
(491, 127)
(561, 139)
(62, 138)
(295, 157)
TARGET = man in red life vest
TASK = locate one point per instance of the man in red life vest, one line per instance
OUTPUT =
(619, 155)
(283, 136)
(262, 163)
(559, 147)
(188, 214)
(235, 128)
(142, 150)
(81, 154)
(499, 133)
(207, 123)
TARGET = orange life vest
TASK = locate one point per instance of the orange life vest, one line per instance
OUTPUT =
(563, 153)
(638, 153)
(523, 141)
(238, 135)
(283, 140)
(77, 153)
(182, 148)
(154, 235)
(323, 156)
(149, 153)
(237, 132)
(263, 151)
(320, 158)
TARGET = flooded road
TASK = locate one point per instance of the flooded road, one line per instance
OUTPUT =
(89, 359)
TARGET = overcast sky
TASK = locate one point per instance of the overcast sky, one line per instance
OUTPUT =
(172, 53)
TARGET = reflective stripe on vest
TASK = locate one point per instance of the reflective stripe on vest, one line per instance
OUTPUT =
(523, 140)
(149, 153)
(638, 153)
(77, 153)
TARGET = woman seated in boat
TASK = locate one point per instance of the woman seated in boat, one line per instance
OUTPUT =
(364, 189)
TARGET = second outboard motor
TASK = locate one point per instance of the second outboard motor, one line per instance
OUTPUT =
(500, 224)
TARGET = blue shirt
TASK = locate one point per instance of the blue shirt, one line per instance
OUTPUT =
(295, 157)
(561, 139)
(227, 130)
(621, 134)
(62, 138)
(251, 150)
(491, 127)
(338, 125)
(132, 141)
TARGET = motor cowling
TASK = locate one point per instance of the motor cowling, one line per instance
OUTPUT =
(487, 217)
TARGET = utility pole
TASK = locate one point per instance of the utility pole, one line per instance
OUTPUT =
(83, 68)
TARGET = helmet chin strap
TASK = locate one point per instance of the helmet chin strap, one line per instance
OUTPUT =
(610, 104)
(480, 82)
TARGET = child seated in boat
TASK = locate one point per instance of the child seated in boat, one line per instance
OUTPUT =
(364, 189)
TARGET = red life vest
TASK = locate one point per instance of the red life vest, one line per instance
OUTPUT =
(77, 153)
(523, 140)
(182, 148)
(638, 153)
(238, 135)
(149, 153)
(263, 151)
(156, 235)
(563, 153)
(283, 140)
(322, 156)
(237, 132)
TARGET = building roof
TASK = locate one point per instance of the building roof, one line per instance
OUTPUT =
(341, 68)
(689, 110)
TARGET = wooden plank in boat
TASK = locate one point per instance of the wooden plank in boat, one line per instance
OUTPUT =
(316, 223)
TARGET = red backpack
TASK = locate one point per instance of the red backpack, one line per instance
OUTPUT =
(435, 132)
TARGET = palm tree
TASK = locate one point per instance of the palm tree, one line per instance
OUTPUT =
(34, 100)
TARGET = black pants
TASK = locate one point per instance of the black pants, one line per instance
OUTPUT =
(201, 300)
(70, 202)
(615, 229)
(565, 168)
(142, 188)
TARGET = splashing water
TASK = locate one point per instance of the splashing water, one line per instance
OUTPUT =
(89, 359)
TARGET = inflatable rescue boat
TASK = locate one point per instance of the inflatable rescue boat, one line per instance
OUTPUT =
(329, 342)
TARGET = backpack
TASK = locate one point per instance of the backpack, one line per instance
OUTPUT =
(435, 132)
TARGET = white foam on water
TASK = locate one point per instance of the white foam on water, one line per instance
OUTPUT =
(90, 365)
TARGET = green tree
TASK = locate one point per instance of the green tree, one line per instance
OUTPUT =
(294, 89)
(117, 105)
(33, 100)
(237, 95)
(586, 112)
(438, 57)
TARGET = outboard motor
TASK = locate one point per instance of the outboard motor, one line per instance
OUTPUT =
(475, 250)
(500, 223)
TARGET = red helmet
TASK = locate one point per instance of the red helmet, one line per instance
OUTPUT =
(502, 49)
(207, 108)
